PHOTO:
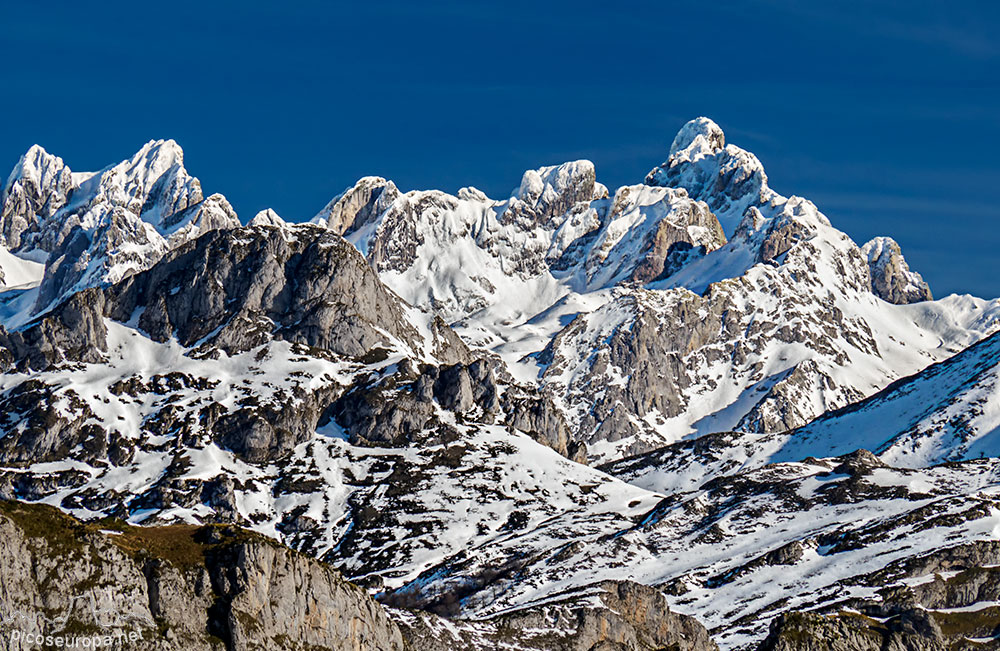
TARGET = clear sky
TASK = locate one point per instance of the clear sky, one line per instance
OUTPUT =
(883, 113)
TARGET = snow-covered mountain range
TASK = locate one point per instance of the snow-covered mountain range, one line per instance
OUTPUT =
(774, 315)
(477, 407)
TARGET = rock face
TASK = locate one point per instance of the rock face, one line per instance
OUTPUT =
(38, 186)
(913, 630)
(73, 331)
(180, 587)
(552, 191)
(892, 279)
(638, 245)
(358, 205)
(395, 410)
(236, 290)
(627, 377)
(729, 179)
(267, 217)
(305, 285)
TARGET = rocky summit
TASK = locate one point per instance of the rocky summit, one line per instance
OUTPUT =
(687, 413)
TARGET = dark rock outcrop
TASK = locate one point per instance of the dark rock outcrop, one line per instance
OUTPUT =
(260, 433)
(235, 290)
(397, 409)
(42, 427)
(72, 331)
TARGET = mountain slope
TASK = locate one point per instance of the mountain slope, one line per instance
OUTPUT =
(17, 272)
(948, 412)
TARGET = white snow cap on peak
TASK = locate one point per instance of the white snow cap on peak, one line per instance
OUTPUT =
(873, 248)
(267, 217)
(702, 128)
(34, 165)
(553, 179)
(153, 159)
(470, 193)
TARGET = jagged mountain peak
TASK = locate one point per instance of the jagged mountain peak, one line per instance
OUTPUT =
(37, 187)
(471, 193)
(267, 217)
(153, 184)
(892, 278)
(700, 132)
(506, 261)
(153, 159)
(552, 190)
(95, 228)
(357, 205)
(729, 179)
(32, 167)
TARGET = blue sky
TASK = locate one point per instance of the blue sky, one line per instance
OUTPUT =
(884, 113)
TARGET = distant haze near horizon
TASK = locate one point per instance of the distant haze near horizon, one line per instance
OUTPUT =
(884, 114)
